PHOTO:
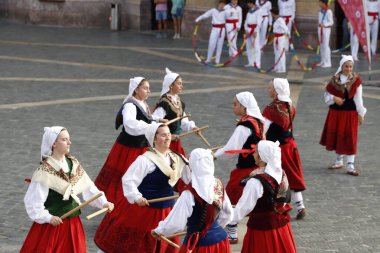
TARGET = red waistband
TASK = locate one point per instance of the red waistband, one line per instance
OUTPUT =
(265, 16)
(373, 13)
(278, 35)
(218, 25)
(286, 16)
(252, 26)
(231, 21)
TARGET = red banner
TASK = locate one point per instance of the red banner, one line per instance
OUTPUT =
(355, 11)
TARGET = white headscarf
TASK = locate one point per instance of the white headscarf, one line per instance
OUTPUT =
(168, 80)
(249, 102)
(270, 152)
(151, 132)
(201, 163)
(281, 86)
(48, 139)
(345, 58)
(133, 84)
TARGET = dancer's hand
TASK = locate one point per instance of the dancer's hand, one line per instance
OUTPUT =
(339, 101)
(142, 202)
(361, 119)
(55, 221)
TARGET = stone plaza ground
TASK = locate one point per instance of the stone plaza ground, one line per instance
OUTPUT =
(78, 78)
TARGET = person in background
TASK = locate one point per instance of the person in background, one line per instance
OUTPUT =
(252, 25)
(281, 35)
(161, 17)
(325, 22)
(177, 13)
(287, 9)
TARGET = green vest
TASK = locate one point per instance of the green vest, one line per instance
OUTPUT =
(54, 203)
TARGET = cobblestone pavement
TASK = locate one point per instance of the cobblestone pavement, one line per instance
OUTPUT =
(79, 77)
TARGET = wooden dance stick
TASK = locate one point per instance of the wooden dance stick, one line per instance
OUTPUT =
(170, 242)
(163, 199)
(204, 139)
(176, 234)
(193, 131)
(216, 148)
(81, 206)
(103, 210)
(176, 119)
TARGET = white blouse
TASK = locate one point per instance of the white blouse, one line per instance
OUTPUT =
(247, 202)
(287, 8)
(131, 125)
(138, 170)
(236, 141)
(279, 26)
(218, 16)
(37, 194)
(177, 219)
(186, 124)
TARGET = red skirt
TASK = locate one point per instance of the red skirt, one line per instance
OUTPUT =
(220, 247)
(340, 132)
(117, 163)
(176, 146)
(291, 163)
(66, 237)
(279, 240)
(128, 229)
(233, 189)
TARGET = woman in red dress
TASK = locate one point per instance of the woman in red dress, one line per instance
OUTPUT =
(343, 95)
(279, 116)
(153, 175)
(53, 192)
(171, 106)
(134, 117)
(266, 200)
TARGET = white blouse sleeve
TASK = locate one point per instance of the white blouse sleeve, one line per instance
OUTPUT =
(135, 174)
(247, 202)
(236, 141)
(131, 124)
(267, 124)
(177, 219)
(159, 113)
(34, 201)
(329, 99)
(358, 99)
(207, 14)
(225, 216)
(186, 124)
(91, 192)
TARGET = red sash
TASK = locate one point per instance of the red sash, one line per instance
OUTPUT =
(232, 21)
(221, 26)
(252, 27)
(277, 35)
(287, 19)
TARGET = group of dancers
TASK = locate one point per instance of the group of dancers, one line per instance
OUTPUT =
(262, 18)
(147, 164)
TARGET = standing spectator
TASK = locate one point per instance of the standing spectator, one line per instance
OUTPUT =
(177, 13)
(161, 17)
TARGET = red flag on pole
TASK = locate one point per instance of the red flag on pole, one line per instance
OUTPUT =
(356, 13)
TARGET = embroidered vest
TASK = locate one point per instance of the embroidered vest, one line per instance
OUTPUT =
(347, 92)
(172, 112)
(256, 127)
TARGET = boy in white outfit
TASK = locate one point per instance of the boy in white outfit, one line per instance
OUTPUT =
(218, 31)
(373, 7)
(233, 24)
(281, 34)
(265, 7)
(252, 28)
(287, 10)
(325, 22)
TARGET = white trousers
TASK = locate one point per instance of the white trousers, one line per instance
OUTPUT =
(325, 46)
(354, 44)
(374, 29)
(263, 30)
(253, 47)
(216, 41)
(232, 37)
(289, 25)
(281, 65)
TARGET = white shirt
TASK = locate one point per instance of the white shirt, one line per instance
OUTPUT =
(37, 194)
(131, 125)
(177, 219)
(326, 20)
(373, 6)
(186, 124)
(247, 202)
(287, 8)
(266, 7)
(253, 18)
(358, 97)
(279, 26)
(236, 141)
(234, 12)
(138, 170)
(218, 17)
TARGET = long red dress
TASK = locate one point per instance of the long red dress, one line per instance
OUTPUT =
(281, 130)
(340, 132)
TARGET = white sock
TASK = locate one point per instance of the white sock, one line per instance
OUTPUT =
(350, 162)
(297, 199)
(231, 230)
(339, 159)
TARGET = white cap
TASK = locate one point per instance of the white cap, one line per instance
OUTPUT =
(168, 80)
(249, 102)
(345, 58)
(133, 84)
(281, 86)
(270, 153)
(48, 139)
(151, 132)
